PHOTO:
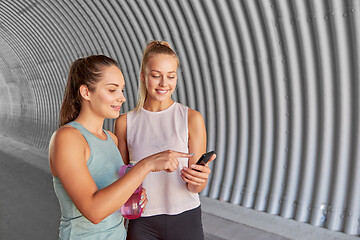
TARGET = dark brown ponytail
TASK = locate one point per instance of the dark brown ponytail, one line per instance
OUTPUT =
(83, 71)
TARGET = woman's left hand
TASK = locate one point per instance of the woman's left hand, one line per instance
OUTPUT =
(193, 177)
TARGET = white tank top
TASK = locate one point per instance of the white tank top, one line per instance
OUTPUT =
(152, 132)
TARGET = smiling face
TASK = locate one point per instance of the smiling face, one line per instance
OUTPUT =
(160, 78)
(108, 95)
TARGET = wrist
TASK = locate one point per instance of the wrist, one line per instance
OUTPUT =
(192, 188)
(196, 188)
(146, 165)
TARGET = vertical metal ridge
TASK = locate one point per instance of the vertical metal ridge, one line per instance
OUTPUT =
(242, 82)
(352, 219)
(311, 125)
(327, 116)
(227, 43)
(255, 113)
(282, 116)
(150, 19)
(343, 126)
(214, 71)
(294, 97)
(264, 55)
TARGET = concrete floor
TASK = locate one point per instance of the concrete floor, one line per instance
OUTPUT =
(29, 208)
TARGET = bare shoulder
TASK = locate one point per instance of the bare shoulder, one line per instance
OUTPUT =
(66, 144)
(196, 124)
(67, 138)
(195, 118)
(66, 134)
(122, 118)
(121, 121)
(120, 125)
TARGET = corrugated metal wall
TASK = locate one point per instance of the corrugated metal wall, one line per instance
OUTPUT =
(277, 82)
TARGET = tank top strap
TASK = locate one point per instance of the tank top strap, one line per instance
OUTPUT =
(93, 141)
(90, 137)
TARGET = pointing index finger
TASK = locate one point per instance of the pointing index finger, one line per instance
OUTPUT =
(183, 155)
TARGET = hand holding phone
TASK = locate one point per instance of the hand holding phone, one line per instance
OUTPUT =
(204, 159)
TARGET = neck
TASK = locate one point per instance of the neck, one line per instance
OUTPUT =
(157, 106)
(92, 123)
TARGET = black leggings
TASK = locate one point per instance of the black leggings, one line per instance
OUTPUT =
(184, 226)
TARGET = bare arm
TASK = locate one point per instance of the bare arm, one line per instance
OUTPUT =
(196, 181)
(68, 162)
(120, 132)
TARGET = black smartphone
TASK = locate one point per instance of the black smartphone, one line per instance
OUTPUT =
(204, 159)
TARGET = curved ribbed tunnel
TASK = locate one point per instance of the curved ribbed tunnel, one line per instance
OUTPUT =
(276, 81)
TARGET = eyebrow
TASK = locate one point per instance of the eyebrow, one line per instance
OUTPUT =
(117, 85)
(160, 72)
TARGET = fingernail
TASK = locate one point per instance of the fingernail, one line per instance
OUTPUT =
(141, 202)
(185, 168)
(192, 154)
(142, 197)
(193, 166)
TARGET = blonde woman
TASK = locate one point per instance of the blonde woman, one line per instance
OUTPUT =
(158, 123)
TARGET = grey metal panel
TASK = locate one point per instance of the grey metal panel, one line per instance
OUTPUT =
(214, 69)
(310, 112)
(277, 82)
(241, 75)
(352, 220)
(327, 116)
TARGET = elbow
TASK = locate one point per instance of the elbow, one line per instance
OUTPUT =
(93, 212)
(94, 217)
(95, 220)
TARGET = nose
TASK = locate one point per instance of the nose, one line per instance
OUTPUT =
(162, 82)
(122, 98)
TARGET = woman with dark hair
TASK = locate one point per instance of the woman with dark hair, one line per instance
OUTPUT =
(85, 160)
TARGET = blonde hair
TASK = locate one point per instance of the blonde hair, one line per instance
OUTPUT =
(153, 48)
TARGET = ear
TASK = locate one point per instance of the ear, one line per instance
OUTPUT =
(142, 76)
(84, 92)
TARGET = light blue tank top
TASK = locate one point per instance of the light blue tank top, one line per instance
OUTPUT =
(103, 164)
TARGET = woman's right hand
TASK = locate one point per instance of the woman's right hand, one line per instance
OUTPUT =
(166, 160)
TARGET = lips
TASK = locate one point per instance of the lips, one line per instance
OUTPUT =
(116, 108)
(161, 92)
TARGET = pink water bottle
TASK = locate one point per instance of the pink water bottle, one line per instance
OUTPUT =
(131, 209)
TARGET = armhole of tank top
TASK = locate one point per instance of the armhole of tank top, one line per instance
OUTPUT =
(108, 136)
(88, 161)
